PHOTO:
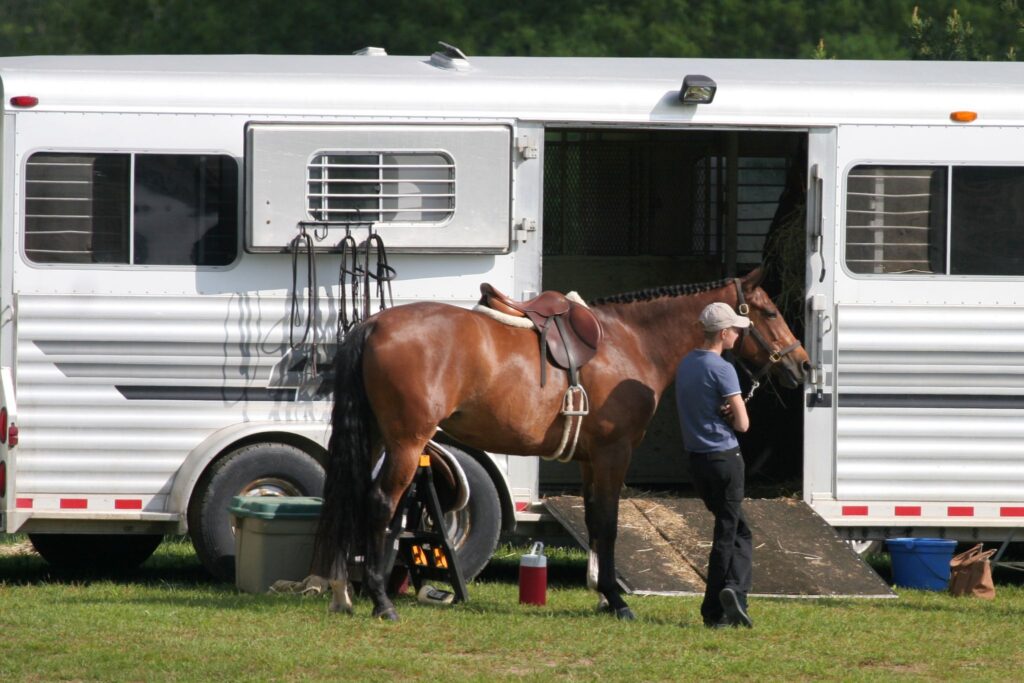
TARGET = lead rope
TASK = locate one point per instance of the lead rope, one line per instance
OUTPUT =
(304, 240)
(383, 274)
(347, 282)
(354, 275)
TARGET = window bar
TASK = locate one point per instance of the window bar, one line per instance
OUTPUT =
(131, 210)
(380, 186)
(324, 187)
(949, 219)
(878, 221)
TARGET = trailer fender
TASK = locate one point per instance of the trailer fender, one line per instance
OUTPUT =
(314, 434)
(500, 480)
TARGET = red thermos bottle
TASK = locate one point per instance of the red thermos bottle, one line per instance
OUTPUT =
(533, 576)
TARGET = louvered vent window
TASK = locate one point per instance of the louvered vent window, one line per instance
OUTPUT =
(77, 208)
(131, 209)
(381, 187)
(896, 219)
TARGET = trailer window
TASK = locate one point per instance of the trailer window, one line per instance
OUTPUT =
(137, 209)
(987, 221)
(897, 220)
(381, 187)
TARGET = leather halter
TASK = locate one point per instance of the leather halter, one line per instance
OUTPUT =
(774, 356)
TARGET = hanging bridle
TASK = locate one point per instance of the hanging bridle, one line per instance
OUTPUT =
(774, 356)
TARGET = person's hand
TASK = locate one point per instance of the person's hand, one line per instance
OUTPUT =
(726, 411)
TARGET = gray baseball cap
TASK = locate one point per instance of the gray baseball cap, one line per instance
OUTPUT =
(719, 316)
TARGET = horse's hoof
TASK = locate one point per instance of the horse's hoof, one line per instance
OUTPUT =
(387, 615)
(624, 614)
(602, 606)
(340, 600)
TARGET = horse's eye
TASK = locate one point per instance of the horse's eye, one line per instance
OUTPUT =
(771, 315)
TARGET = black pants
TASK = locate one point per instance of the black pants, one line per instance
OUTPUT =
(718, 478)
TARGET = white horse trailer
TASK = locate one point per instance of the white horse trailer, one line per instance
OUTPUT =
(146, 206)
(148, 203)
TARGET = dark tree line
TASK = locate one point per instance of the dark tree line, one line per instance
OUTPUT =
(845, 29)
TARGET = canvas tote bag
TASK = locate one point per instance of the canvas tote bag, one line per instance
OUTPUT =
(970, 573)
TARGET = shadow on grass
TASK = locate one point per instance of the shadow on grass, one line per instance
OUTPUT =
(562, 573)
(174, 563)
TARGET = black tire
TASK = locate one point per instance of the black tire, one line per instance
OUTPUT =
(257, 469)
(477, 526)
(96, 552)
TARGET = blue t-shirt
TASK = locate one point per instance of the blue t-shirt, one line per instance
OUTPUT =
(703, 381)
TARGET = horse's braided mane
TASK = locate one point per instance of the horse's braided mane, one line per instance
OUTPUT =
(659, 292)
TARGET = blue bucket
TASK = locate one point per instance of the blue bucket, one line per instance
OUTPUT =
(921, 562)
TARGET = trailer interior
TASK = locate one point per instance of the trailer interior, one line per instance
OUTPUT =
(628, 209)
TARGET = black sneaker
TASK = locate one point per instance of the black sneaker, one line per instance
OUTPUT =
(734, 610)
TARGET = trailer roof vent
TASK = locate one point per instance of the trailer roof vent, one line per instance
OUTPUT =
(371, 52)
(450, 57)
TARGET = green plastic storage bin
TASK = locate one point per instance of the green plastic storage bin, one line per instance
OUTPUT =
(273, 539)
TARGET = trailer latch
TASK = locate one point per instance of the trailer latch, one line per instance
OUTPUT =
(527, 148)
(526, 226)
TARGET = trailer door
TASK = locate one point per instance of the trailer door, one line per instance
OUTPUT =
(819, 401)
(928, 276)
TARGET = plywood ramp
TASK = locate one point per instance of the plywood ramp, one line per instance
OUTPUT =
(663, 544)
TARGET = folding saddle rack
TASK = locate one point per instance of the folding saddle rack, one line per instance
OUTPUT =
(427, 554)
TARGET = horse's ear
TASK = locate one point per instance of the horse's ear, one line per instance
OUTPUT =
(754, 278)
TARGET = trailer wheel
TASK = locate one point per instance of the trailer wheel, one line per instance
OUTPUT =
(865, 547)
(99, 552)
(475, 529)
(262, 469)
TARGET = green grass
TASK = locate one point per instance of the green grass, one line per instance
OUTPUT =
(168, 622)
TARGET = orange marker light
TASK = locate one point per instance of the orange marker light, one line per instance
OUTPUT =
(963, 116)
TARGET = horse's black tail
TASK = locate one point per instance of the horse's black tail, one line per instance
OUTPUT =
(342, 527)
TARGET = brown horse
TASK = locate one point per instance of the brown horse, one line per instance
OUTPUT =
(410, 370)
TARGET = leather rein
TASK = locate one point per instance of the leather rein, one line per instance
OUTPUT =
(774, 356)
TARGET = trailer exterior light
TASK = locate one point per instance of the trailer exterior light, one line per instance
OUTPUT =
(963, 116)
(697, 89)
(24, 101)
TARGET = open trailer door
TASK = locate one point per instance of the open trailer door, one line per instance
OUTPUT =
(819, 399)
(8, 442)
(928, 277)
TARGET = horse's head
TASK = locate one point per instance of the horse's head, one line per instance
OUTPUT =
(769, 346)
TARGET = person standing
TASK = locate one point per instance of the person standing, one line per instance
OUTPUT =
(711, 411)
